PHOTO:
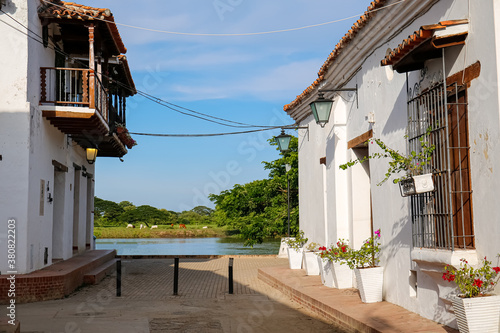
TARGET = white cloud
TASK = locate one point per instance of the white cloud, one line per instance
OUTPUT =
(275, 84)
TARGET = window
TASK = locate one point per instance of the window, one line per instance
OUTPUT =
(443, 218)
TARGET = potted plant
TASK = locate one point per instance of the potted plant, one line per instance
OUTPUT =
(342, 273)
(310, 261)
(295, 249)
(333, 273)
(124, 136)
(417, 179)
(326, 266)
(369, 276)
(476, 308)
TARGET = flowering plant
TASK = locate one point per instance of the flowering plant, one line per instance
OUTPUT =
(298, 242)
(313, 247)
(471, 281)
(413, 164)
(367, 255)
(335, 254)
(124, 136)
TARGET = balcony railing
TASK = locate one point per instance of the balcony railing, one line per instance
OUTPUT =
(74, 87)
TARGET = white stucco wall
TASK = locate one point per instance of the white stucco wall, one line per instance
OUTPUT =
(311, 213)
(28, 145)
(383, 92)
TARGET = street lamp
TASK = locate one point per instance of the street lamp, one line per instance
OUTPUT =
(283, 141)
(288, 167)
(322, 107)
(91, 155)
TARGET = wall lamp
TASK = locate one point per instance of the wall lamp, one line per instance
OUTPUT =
(322, 107)
(91, 155)
(283, 140)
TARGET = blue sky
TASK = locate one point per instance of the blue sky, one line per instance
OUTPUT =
(246, 79)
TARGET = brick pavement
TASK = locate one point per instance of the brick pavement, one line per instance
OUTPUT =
(203, 304)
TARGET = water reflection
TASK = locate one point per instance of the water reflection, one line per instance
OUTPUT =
(186, 246)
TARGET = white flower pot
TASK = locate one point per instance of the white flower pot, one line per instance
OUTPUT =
(416, 184)
(423, 183)
(342, 276)
(295, 258)
(370, 283)
(310, 263)
(283, 252)
(326, 272)
(477, 314)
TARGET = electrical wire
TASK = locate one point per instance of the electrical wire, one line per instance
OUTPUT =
(227, 34)
(150, 97)
(206, 135)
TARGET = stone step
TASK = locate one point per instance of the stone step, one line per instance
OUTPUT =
(99, 273)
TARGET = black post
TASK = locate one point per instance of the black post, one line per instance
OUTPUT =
(176, 276)
(288, 194)
(231, 276)
(119, 278)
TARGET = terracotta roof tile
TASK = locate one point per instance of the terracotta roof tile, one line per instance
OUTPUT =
(424, 33)
(73, 10)
(356, 27)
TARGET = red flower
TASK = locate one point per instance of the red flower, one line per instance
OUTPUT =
(478, 283)
(448, 276)
(322, 248)
(344, 249)
(496, 269)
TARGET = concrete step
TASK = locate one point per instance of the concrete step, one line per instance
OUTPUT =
(99, 273)
(7, 327)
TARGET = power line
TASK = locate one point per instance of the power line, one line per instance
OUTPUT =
(168, 105)
(205, 135)
(228, 34)
(150, 97)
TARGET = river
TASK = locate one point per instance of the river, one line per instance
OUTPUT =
(186, 246)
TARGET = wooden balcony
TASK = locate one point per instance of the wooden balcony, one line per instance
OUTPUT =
(76, 102)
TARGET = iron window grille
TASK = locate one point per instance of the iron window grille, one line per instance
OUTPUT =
(442, 219)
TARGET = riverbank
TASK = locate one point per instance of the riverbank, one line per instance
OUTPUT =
(163, 232)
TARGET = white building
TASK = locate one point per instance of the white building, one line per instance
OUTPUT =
(59, 96)
(416, 64)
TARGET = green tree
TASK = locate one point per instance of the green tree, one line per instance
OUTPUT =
(259, 208)
(106, 212)
(126, 205)
(144, 214)
(203, 211)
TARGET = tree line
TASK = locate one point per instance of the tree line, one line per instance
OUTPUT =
(110, 213)
(256, 210)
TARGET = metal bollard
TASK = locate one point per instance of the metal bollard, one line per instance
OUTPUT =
(119, 278)
(176, 276)
(231, 276)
